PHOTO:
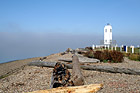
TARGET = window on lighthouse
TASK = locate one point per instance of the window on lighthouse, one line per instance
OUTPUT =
(105, 30)
(110, 30)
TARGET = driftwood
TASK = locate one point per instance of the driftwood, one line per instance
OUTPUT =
(77, 76)
(82, 59)
(90, 67)
(61, 76)
(92, 88)
(65, 60)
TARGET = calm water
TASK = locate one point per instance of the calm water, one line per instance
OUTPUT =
(23, 54)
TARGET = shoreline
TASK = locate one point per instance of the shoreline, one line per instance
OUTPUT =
(13, 66)
(20, 59)
(10, 67)
(27, 58)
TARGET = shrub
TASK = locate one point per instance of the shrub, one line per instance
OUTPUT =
(98, 55)
(102, 55)
(135, 57)
(126, 54)
(112, 56)
(116, 56)
(139, 58)
(105, 56)
(105, 61)
(88, 48)
(89, 54)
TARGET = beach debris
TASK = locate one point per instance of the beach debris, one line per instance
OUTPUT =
(41, 59)
(77, 75)
(69, 50)
(61, 76)
(81, 58)
(109, 69)
(92, 88)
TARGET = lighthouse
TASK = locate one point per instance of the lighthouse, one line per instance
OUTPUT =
(108, 34)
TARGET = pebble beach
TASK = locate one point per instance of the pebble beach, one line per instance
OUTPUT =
(31, 78)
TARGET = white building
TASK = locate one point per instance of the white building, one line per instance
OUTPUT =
(108, 34)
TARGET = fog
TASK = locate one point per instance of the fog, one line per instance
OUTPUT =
(21, 45)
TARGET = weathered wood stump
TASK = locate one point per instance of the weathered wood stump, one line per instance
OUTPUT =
(61, 76)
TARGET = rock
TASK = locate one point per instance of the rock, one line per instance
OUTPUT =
(63, 53)
(41, 59)
(69, 50)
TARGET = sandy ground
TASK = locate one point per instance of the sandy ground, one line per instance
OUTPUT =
(31, 78)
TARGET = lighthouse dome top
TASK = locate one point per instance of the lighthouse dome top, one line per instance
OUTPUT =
(108, 26)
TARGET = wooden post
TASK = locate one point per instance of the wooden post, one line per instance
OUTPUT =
(108, 47)
(93, 47)
(115, 47)
(132, 49)
(111, 47)
(126, 49)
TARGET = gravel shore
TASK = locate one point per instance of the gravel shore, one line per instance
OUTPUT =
(13, 66)
(31, 78)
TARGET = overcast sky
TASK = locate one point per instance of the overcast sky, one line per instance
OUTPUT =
(30, 28)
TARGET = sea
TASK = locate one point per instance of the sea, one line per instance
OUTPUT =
(12, 56)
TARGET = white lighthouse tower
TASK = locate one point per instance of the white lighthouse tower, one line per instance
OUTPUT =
(108, 34)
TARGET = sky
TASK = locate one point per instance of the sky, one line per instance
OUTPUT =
(31, 28)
